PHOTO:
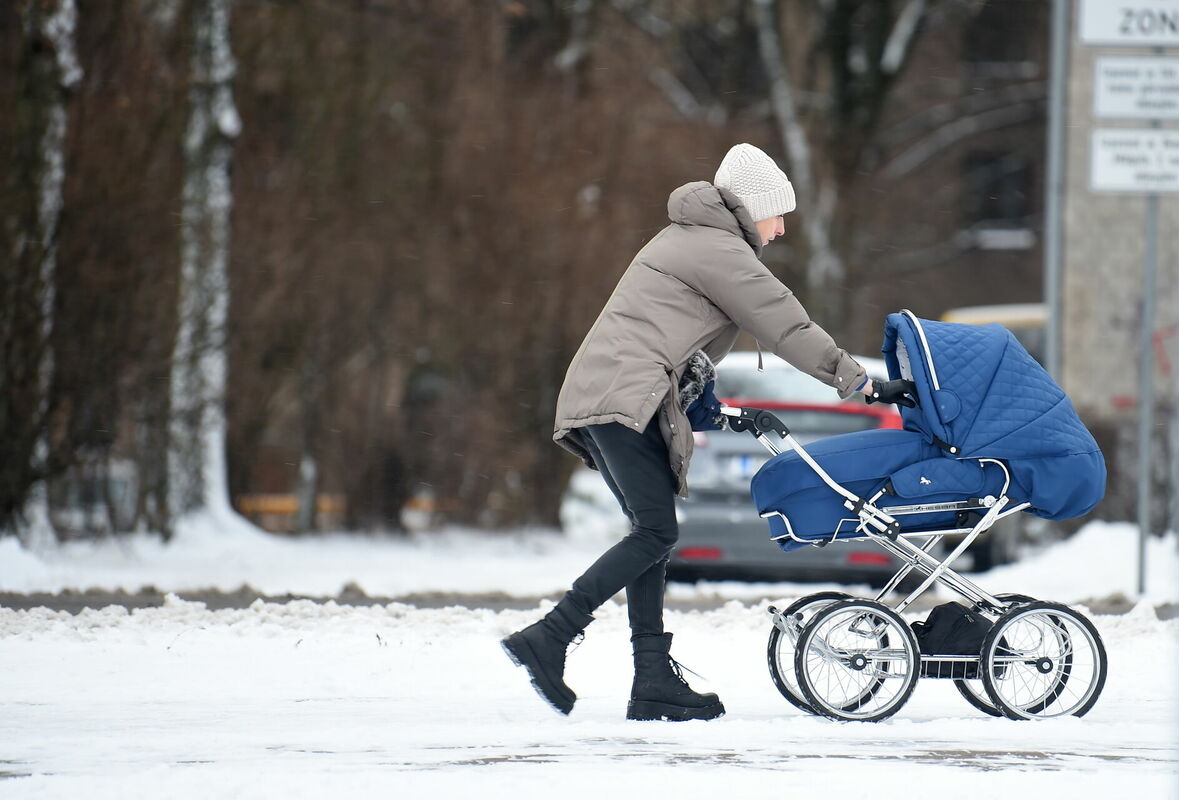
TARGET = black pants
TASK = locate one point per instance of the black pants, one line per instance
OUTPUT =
(635, 467)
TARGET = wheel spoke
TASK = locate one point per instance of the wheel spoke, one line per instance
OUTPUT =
(782, 644)
(849, 663)
(1043, 660)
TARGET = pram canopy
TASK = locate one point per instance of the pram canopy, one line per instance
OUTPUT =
(982, 396)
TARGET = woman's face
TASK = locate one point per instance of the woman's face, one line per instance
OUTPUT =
(770, 228)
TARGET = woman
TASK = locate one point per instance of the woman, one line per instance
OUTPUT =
(692, 287)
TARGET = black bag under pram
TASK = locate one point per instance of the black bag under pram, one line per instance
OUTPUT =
(992, 435)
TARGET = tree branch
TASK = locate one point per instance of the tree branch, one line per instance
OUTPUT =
(957, 130)
(946, 112)
(900, 41)
(825, 264)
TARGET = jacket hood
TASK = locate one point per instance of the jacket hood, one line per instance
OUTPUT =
(701, 203)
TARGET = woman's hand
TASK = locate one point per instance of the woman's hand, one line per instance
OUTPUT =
(901, 392)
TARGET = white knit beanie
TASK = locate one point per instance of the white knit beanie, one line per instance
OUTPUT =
(756, 180)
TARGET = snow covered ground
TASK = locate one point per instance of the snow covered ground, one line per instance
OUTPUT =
(315, 700)
(307, 699)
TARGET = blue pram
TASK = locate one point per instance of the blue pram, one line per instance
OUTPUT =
(992, 436)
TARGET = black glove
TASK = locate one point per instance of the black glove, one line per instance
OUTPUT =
(901, 392)
(705, 411)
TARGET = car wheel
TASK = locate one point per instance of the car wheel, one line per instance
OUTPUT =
(997, 546)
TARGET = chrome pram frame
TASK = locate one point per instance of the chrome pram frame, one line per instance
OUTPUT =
(1055, 631)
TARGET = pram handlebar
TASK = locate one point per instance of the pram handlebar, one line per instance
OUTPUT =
(756, 420)
(759, 422)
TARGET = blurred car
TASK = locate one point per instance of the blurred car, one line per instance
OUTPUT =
(721, 534)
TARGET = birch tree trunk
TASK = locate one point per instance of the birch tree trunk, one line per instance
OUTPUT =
(51, 72)
(196, 450)
(824, 267)
(864, 73)
(307, 486)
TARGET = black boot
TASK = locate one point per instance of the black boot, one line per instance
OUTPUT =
(540, 649)
(660, 691)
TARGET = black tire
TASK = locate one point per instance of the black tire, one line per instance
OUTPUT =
(997, 546)
(986, 554)
(891, 655)
(1050, 639)
(780, 649)
(977, 697)
(972, 690)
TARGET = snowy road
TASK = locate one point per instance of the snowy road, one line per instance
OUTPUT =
(311, 700)
(306, 699)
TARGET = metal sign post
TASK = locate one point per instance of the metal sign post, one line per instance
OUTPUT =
(1146, 383)
(1055, 186)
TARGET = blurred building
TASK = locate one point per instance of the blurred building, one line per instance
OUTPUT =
(1121, 146)
(951, 212)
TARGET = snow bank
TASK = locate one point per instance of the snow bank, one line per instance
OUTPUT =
(1098, 561)
(523, 563)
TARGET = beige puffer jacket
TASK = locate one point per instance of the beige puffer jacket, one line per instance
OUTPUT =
(694, 286)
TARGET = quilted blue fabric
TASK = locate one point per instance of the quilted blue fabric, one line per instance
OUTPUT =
(970, 478)
(863, 462)
(981, 392)
(860, 462)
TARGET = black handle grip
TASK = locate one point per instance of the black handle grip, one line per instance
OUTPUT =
(758, 420)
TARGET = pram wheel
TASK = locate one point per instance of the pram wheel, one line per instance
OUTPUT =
(780, 648)
(857, 660)
(976, 694)
(973, 691)
(1043, 660)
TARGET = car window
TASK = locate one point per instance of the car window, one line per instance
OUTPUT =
(785, 385)
(825, 423)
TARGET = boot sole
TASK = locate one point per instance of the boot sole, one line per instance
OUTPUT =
(523, 656)
(648, 710)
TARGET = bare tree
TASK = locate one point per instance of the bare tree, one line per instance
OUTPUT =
(825, 264)
(420, 243)
(49, 71)
(196, 462)
(866, 50)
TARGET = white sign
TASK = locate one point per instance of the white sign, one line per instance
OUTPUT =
(1130, 22)
(1136, 88)
(1133, 160)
